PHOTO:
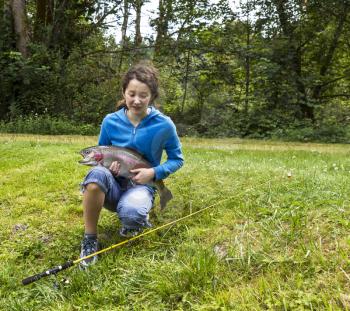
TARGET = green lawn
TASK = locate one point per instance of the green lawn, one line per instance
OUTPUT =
(280, 241)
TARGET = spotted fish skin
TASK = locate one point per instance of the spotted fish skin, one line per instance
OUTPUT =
(128, 160)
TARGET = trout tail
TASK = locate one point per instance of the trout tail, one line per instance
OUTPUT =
(165, 194)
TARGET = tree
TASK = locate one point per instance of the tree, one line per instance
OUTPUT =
(326, 60)
(124, 41)
(43, 18)
(18, 8)
(124, 28)
(165, 9)
(137, 4)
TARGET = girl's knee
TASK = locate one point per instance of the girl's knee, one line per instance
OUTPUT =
(98, 178)
(134, 206)
(93, 187)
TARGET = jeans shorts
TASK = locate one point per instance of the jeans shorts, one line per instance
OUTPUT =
(131, 202)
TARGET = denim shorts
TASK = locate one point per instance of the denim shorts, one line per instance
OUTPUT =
(131, 202)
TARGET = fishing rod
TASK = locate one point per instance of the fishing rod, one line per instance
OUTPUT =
(70, 263)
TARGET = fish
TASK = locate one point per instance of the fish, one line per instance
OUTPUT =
(128, 159)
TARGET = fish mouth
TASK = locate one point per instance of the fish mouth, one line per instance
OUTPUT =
(88, 161)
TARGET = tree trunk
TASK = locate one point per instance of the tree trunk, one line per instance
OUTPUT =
(41, 11)
(186, 82)
(124, 37)
(43, 18)
(161, 31)
(125, 23)
(56, 37)
(138, 38)
(247, 69)
(18, 8)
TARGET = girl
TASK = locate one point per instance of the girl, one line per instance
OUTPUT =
(137, 125)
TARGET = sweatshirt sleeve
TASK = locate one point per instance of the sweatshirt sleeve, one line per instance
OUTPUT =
(175, 158)
(104, 139)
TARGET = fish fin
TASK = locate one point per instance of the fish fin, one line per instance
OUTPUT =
(165, 194)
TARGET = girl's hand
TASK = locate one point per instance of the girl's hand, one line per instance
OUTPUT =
(115, 168)
(143, 175)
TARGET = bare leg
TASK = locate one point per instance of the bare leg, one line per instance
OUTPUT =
(92, 203)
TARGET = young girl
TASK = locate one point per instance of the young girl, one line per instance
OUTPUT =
(137, 125)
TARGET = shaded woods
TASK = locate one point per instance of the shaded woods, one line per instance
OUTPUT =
(266, 68)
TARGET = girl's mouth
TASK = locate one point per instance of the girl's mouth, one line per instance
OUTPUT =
(137, 107)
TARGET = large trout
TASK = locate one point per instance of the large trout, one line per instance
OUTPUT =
(128, 160)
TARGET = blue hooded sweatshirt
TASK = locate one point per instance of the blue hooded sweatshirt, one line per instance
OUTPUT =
(155, 133)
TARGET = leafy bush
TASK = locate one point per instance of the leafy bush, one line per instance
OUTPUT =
(273, 129)
(44, 124)
(326, 132)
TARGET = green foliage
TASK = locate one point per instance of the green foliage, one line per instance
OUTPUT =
(269, 69)
(92, 83)
(44, 83)
(323, 132)
(303, 132)
(45, 124)
(28, 85)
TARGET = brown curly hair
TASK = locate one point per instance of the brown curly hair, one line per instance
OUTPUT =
(144, 72)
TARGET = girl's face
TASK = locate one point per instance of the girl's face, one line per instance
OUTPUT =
(137, 98)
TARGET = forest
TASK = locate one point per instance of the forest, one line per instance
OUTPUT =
(251, 69)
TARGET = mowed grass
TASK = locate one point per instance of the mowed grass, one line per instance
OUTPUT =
(279, 239)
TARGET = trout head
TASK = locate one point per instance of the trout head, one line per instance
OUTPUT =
(92, 156)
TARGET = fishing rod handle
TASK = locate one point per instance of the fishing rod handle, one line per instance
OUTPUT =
(54, 270)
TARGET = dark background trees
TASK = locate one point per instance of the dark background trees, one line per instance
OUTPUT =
(269, 68)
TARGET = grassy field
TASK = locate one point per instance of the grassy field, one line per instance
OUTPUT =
(280, 241)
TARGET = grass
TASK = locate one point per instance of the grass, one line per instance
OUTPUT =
(277, 243)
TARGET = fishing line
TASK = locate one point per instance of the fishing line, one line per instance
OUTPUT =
(71, 263)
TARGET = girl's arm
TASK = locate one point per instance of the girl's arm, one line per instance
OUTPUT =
(174, 160)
